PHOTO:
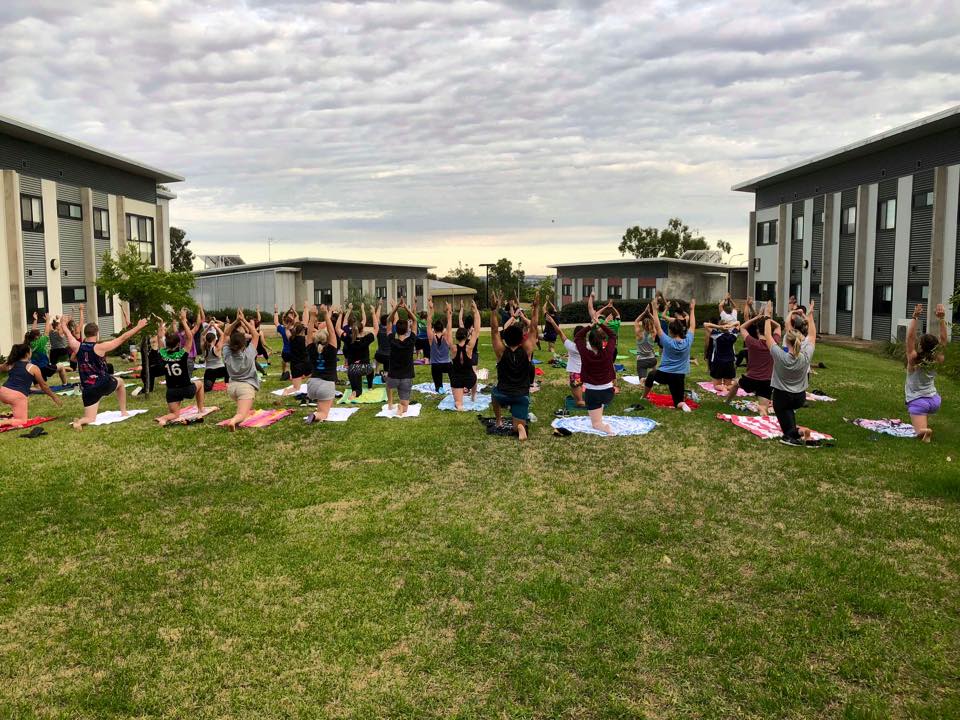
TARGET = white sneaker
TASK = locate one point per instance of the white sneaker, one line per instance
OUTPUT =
(683, 406)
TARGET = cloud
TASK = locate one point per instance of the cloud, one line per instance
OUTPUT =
(458, 130)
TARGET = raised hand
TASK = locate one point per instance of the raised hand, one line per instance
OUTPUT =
(917, 311)
(141, 323)
(941, 311)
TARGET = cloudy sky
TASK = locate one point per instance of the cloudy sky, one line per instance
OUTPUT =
(467, 131)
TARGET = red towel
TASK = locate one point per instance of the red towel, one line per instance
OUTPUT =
(537, 371)
(219, 387)
(666, 401)
(29, 423)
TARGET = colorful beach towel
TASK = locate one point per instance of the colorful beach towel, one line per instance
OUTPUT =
(887, 426)
(27, 424)
(113, 416)
(261, 418)
(749, 406)
(621, 425)
(482, 403)
(763, 426)
(412, 411)
(814, 397)
(376, 395)
(189, 414)
(709, 387)
(666, 401)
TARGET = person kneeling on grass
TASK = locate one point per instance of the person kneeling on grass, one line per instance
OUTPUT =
(174, 356)
(923, 355)
(675, 361)
(645, 330)
(514, 367)
(759, 362)
(721, 355)
(239, 354)
(322, 351)
(463, 378)
(598, 350)
(574, 363)
(96, 382)
(403, 344)
(789, 379)
(22, 374)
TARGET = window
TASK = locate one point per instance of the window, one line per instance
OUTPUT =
(765, 291)
(36, 302)
(418, 291)
(798, 227)
(845, 293)
(767, 232)
(756, 264)
(647, 293)
(104, 304)
(815, 289)
(887, 214)
(401, 289)
(381, 292)
(101, 224)
(882, 299)
(922, 199)
(587, 290)
(614, 292)
(795, 291)
(566, 290)
(74, 294)
(140, 237)
(848, 220)
(917, 292)
(324, 296)
(818, 218)
(69, 211)
(31, 213)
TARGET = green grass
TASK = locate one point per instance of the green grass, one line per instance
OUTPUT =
(421, 568)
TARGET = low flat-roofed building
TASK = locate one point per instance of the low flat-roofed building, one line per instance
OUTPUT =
(313, 280)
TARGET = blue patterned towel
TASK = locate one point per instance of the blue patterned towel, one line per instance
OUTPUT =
(621, 425)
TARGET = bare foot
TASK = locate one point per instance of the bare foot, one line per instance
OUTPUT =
(76, 426)
(522, 432)
(925, 435)
(607, 429)
(124, 413)
(161, 421)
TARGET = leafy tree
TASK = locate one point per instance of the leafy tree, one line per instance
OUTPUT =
(504, 278)
(181, 256)
(724, 247)
(545, 287)
(464, 275)
(148, 291)
(649, 242)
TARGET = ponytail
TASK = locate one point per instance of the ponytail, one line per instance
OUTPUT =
(17, 353)
(795, 341)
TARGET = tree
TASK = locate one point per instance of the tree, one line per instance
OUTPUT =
(724, 247)
(181, 256)
(504, 278)
(546, 287)
(649, 242)
(466, 276)
(149, 292)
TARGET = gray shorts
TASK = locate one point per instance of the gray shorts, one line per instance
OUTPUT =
(401, 385)
(320, 390)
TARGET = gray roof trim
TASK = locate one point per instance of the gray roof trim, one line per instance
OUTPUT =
(943, 120)
(642, 261)
(303, 261)
(46, 138)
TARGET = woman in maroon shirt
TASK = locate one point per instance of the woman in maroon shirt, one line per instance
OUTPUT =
(597, 345)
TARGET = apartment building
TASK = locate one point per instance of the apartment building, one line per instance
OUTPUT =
(63, 205)
(868, 230)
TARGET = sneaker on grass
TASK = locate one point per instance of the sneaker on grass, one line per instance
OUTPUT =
(793, 442)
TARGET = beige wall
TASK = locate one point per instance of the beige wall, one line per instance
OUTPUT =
(51, 244)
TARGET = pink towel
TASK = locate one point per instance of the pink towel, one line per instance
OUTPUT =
(763, 426)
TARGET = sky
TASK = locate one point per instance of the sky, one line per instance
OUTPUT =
(463, 132)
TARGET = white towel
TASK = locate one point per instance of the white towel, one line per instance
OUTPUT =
(110, 417)
(631, 379)
(341, 414)
(412, 411)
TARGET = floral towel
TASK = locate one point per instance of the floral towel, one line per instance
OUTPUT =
(887, 426)
(763, 426)
(709, 387)
(261, 418)
(621, 425)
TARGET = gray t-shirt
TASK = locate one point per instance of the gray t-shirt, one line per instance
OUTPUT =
(242, 366)
(789, 372)
(645, 347)
(213, 361)
(920, 384)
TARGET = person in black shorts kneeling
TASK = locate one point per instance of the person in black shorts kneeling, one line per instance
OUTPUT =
(180, 385)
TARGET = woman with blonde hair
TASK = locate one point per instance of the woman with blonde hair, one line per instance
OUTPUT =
(322, 351)
(791, 369)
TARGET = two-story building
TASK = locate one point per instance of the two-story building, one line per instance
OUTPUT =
(868, 230)
(63, 205)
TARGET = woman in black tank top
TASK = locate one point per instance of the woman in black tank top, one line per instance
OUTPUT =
(462, 375)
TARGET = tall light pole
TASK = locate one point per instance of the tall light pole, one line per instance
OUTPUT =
(269, 243)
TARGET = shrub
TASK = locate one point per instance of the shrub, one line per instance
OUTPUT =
(576, 312)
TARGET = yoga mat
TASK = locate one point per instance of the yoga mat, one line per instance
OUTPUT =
(631, 379)
(482, 403)
(377, 381)
(376, 395)
(412, 411)
(189, 413)
(428, 389)
(113, 416)
(763, 426)
(338, 414)
(708, 386)
(29, 423)
(261, 418)
(887, 426)
(58, 389)
(621, 425)
(666, 401)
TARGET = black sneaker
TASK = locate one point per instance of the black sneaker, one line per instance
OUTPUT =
(813, 443)
(793, 442)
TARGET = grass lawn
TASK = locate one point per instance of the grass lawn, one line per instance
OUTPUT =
(420, 568)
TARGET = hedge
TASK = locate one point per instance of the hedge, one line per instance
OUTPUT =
(576, 312)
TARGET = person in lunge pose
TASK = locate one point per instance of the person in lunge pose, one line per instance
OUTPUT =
(514, 367)
(759, 362)
(180, 384)
(463, 378)
(675, 361)
(402, 347)
(322, 350)
(791, 369)
(22, 374)
(440, 335)
(923, 356)
(240, 358)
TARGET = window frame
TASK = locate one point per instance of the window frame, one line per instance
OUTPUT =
(883, 214)
(104, 304)
(797, 223)
(923, 297)
(101, 214)
(377, 294)
(846, 221)
(35, 225)
(767, 232)
(566, 290)
(585, 290)
(65, 210)
(611, 288)
(927, 196)
(74, 289)
(769, 290)
(845, 291)
(883, 305)
(148, 222)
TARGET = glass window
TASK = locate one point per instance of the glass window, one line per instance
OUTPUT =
(614, 292)
(31, 213)
(140, 236)
(381, 292)
(419, 290)
(74, 294)
(923, 199)
(767, 232)
(798, 228)
(104, 304)
(918, 292)
(765, 291)
(566, 290)
(587, 290)
(815, 289)
(68, 210)
(882, 299)
(887, 214)
(101, 224)
(848, 220)
(846, 297)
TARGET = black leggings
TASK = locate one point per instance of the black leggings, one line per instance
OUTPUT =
(437, 370)
(785, 405)
(675, 381)
(356, 382)
(212, 375)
